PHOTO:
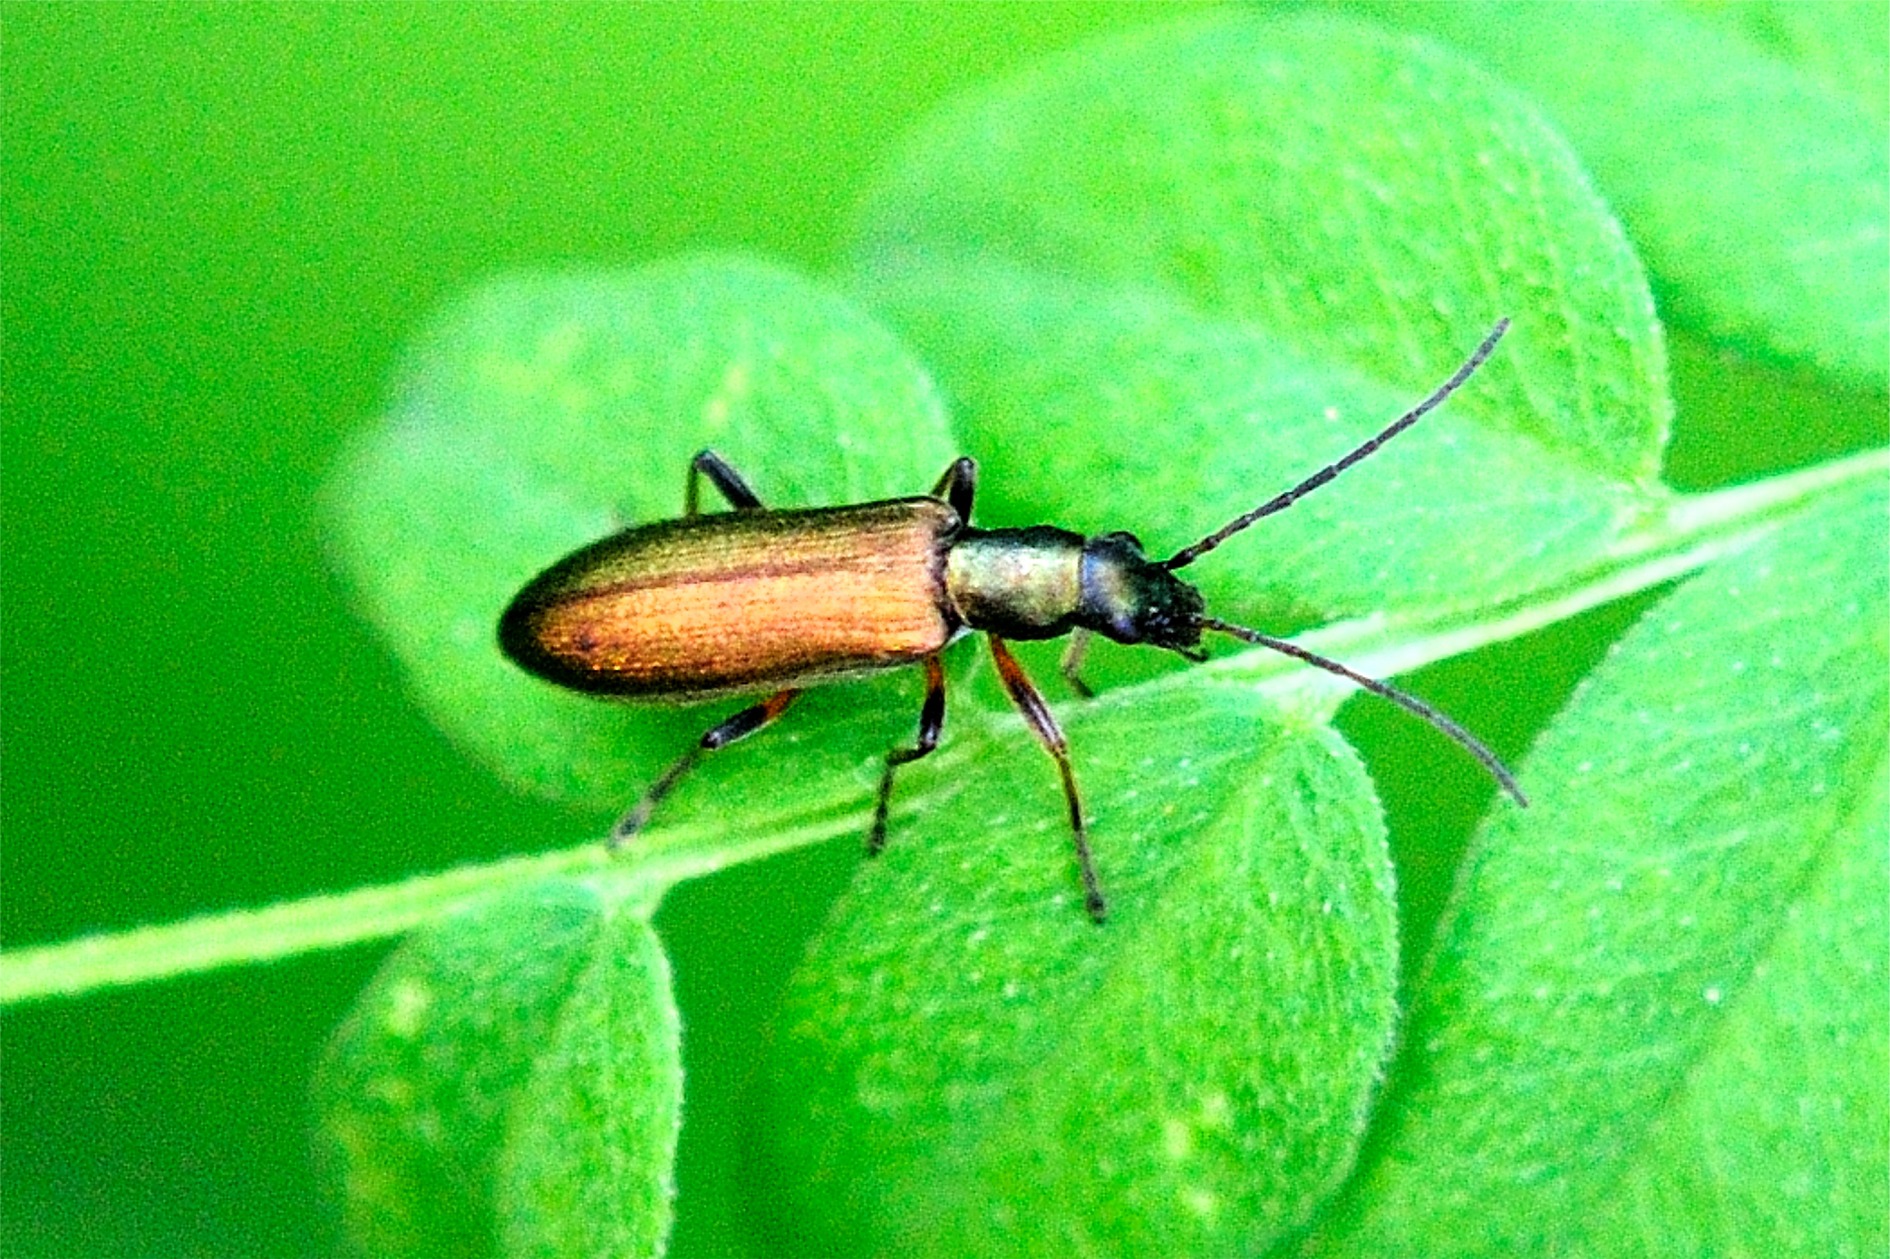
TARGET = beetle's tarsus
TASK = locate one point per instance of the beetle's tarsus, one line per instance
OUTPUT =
(931, 725)
(876, 837)
(637, 818)
(1071, 665)
(629, 825)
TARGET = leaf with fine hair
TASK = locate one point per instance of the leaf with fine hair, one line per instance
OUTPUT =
(965, 1065)
(509, 1085)
(1658, 1007)
(1194, 264)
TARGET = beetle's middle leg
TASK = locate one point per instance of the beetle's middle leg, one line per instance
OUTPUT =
(1037, 714)
(931, 724)
(740, 726)
(724, 478)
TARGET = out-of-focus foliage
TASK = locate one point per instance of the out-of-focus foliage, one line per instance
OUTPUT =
(1146, 282)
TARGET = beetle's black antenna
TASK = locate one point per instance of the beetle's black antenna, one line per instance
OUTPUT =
(1410, 703)
(1183, 558)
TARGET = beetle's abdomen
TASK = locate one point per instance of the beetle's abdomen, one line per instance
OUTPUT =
(740, 601)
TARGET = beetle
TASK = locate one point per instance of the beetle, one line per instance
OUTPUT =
(764, 600)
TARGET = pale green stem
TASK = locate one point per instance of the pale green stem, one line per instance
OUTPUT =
(1693, 532)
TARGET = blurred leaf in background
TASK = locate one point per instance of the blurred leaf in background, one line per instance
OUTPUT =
(540, 1025)
(1746, 158)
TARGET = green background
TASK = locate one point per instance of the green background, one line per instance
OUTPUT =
(221, 226)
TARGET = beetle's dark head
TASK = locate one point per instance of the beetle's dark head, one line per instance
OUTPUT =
(1133, 599)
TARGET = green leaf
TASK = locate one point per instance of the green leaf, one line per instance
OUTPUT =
(1777, 1143)
(965, 1065)
(1842, 44)
(509, 1085)
(1189, 267)
(1754, 179)
(1657, 1020)
(546, 412)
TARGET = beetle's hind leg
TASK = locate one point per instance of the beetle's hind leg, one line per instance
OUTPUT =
(724, 478)
(740, 726)
(931, 724)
